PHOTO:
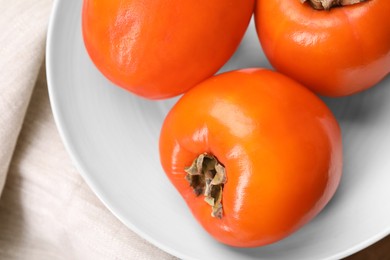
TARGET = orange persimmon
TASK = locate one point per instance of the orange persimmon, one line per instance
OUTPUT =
(335, 52)
(158, 49)
(254, 154)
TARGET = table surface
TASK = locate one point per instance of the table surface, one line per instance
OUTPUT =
(377, 251)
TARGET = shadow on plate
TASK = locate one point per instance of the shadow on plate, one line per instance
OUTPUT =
(362, 107)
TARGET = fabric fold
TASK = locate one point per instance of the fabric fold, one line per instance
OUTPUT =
(47, 211)
(23, 26)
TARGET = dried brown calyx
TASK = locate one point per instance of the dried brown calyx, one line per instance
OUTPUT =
(207, 176)
(328, 4)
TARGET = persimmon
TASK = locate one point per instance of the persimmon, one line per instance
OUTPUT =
(336, 48)
(159, 49)
(254, 154)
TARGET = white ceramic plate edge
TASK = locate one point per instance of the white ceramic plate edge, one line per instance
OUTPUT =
(91, 183)
(71, 151)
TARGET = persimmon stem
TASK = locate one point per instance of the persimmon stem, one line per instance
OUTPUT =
(207, 176)
(328, 4)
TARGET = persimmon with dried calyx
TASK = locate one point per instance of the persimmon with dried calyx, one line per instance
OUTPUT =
(334, 47)
(254, 154)
(159, 49)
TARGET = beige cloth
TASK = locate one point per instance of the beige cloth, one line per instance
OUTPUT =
(46, 209)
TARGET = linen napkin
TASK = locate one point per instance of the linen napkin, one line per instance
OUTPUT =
(21, 53)
(46, 209)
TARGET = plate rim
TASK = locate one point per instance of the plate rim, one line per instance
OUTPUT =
(69, 148)
(49, 52)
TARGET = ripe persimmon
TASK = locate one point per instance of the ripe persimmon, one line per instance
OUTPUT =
(254, 154)
(159, 49)
(335, 52)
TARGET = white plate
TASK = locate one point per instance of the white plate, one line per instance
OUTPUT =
(112, 137)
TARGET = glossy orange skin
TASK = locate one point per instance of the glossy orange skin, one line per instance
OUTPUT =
(161, 48)
(279, 143)
(335, 53)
